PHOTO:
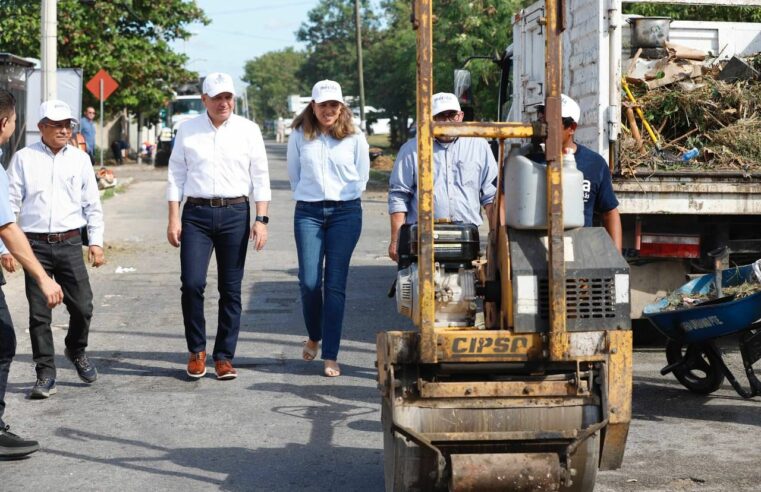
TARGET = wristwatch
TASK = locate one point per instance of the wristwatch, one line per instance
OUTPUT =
(262, 218)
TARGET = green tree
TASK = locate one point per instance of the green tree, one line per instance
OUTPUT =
(271, 78)
(128, 38)
(462, 28)
(390, 69)
(466, 28)
(329, 34)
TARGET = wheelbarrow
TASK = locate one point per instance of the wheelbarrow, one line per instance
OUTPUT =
(691, 351)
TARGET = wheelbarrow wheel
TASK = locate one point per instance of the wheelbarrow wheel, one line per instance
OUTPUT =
(700, 372)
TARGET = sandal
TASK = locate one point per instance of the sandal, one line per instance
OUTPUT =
(307, 353)
(330, 371)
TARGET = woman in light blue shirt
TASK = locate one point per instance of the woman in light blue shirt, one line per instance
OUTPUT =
(328, 167)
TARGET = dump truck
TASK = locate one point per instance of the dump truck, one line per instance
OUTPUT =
(518, 374)
(672, 218)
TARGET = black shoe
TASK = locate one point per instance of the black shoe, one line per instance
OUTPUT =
(85, 368)
(12, 446)
(43, 388)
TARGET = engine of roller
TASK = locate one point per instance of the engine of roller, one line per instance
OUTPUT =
(456, 246)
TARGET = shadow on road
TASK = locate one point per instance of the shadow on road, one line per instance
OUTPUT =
(276, 306)
(316, 465)
(656, 399)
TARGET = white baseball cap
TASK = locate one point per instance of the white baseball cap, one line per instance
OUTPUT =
(327, 90)
(56, 110)
(568, 108)
(216, 83)
(445, 101)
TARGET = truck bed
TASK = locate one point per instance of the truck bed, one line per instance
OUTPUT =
(681, 192)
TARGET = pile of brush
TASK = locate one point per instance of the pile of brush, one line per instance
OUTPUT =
(720, 119)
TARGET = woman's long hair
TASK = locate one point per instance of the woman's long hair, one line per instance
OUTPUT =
(307, 121)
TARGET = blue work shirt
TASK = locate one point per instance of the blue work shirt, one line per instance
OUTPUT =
(464, 174)
(87, 129)
(599, 196)
(327, 169)
(6, 214)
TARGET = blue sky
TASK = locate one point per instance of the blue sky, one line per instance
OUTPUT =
(241, 30)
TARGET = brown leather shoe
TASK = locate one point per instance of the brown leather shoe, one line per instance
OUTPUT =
(197, 365)
(225, 370)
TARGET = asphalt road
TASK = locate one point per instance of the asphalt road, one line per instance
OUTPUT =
(281, 426)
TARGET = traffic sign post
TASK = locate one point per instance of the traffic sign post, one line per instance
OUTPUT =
(101, 86)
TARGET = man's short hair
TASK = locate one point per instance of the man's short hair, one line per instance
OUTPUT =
(7, 104)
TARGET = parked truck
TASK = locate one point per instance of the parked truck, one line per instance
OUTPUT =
(671, 219)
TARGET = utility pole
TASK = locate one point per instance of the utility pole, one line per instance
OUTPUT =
(49, 48)
(359, 66)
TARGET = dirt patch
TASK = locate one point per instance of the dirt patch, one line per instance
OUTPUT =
(382, 163)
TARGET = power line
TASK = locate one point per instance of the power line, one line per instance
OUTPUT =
(255, 9)
(247, 35)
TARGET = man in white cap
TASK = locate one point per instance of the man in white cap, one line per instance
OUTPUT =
(54, 192)
(599, 197)
(218, 165)
(464, 175)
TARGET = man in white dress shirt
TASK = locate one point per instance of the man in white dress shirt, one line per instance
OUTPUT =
(218, 164)
(54, 192)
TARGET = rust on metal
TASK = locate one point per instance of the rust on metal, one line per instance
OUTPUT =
(484, 130)
(558, 336)
(423, 15)
(516, 472)
(492, 318)
(440, 437)
(400, 347)
(619, 398)
(487, 346)
(508, 389)
(381, 359)
(506, 284)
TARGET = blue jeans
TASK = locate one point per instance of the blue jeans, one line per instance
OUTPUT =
(225, 231)
(326, 234)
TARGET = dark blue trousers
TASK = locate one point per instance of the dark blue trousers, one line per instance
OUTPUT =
(225, 231)
(326, 234)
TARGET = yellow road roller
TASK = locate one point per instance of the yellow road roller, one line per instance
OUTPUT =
(518, 374)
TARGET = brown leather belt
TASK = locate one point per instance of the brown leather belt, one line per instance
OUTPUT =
(53, 237)
(217, 202)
